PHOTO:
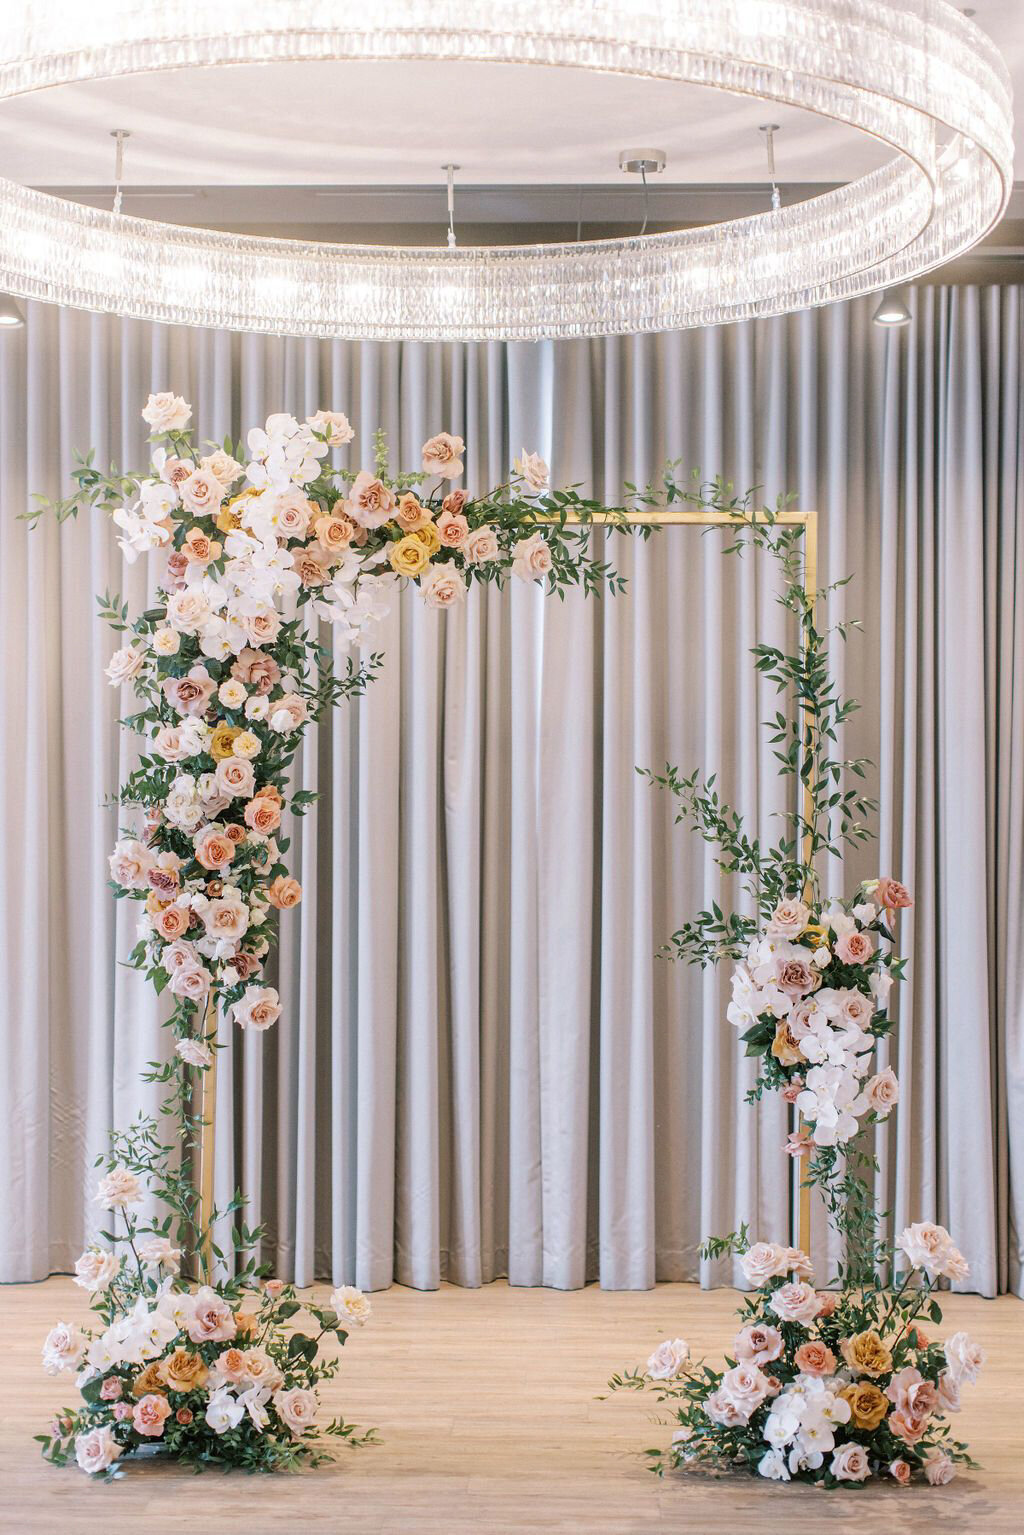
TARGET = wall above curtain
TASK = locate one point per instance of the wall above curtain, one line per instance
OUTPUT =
(485, 1070)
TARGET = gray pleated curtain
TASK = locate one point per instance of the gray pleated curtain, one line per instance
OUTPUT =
(482, 1067)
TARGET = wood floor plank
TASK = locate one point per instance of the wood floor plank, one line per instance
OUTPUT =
(486, 1401)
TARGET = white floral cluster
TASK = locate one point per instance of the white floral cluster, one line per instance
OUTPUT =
(819, 1033)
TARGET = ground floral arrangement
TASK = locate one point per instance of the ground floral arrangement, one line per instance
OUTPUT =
(260, 548)
(837, 1385)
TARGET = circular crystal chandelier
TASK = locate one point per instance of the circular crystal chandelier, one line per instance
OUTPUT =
(915, 74)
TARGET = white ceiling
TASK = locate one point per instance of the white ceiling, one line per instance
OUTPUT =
(360, 125)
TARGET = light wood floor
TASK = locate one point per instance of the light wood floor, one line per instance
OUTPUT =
(486, 1403)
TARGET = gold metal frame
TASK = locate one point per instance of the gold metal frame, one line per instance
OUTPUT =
(667, 517)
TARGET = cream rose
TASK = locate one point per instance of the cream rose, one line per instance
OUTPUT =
(158, 1252)
(763, 1261)
(533, 470)
(212, 1320)
(369, 501)
(188, 610)
(850, 1463)
(441, 456)
(165, 641)
(297, 1408)
(130, 863)
(125, 664)
(669, 1359)
(63, 1348)
(883, 1092)
(757, 1345)
(166, 412)
(226, 917)
(789, 919)
(95, 1270)
(481, 545)
(442, 587)
(97, 1449)
(964, 1358)
(258, 1008)
(236, 776)
(223, 467)
(332, 425)
(531, 558)
(796, 1301)
(350, 1305)
(202, 493)
(939, 1469)
(118, 1189)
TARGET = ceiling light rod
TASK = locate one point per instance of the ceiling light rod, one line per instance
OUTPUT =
(451, 169)
(120, 134)
(770, 130)
(643, 163)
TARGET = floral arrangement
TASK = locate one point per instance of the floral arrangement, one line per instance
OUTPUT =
(259, 547)
(212, 1376)
(844, 1383)
(823, 1386)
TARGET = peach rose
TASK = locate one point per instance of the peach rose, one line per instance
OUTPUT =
(441, 456)
(177, 565)
(784, 1047)
(369, 501)
(284, 892)
(334, 534)
(230, 1365)
(262, 815)
(213, 849)
(292, 514)
(454, 502)
(899, 1470)
(911, 1394)
(814, 1358)
(906, 1427)
(200, 548)
(288, 713)
(890, 893)
(410, 514)
(855, 948)
(172, 923)
(453, 530)
(827, 1303)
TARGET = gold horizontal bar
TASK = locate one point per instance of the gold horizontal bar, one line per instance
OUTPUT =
(669, 517)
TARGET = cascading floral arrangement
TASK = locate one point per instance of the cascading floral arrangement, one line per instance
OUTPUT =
(229, 671)
(836, 1385)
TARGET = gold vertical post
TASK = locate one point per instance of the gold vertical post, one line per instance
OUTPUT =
(207, 1142)
(810, 588)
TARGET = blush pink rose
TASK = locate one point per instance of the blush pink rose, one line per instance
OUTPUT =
(212, 1320)
(758, 1345)
(150, 1415)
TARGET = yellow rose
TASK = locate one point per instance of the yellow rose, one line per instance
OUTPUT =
(228, 519)
(814, 935)
(154, 905)
(183, 1370)
(784, 1047)
(866, 1354)
(222, 741)
(409, 555)
(150, 1381)
(868, 1405)
(428, 536)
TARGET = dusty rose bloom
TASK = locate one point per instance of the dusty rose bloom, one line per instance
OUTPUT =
(255, 670)
(190, 695)
(112, 1388)
(454, 502)
(758, 1345)
(826, 1303)
(796, 977)
(794, 1087)
(183, 1416)
(177, 564)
